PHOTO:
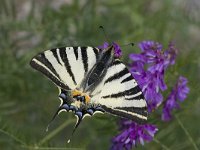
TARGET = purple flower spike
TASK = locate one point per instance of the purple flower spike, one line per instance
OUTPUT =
(133, 134)
(149, 67)
(179, 92)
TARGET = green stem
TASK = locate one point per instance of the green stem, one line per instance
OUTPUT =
(54, 132)
(162, 145)
(12, 136)
(50, 148)
(187, 133)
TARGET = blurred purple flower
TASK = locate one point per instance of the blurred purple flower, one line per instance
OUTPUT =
(133, 134)
(179, 92)
(117, 49)
(104, 46)
(149, 45)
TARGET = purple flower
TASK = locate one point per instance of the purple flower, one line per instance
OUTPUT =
(138, 57)
(133, 134)
(150, 83)
(179, 92)
(149, 67)
(117, 49)
(153, 56)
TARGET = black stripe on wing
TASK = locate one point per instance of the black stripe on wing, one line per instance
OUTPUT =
(76, 52)
(49, 75)
(129, 92)
(42, 58)
(64, 58)
(141, 96)
(129, 78)
(140, 119)
(54, 51)
(116, 62)
(139, 110)
(117, 76)
(84, 58)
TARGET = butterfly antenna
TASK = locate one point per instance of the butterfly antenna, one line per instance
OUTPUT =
(106, 36)
(132, 44)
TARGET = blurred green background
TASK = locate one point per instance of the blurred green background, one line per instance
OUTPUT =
(28, 100)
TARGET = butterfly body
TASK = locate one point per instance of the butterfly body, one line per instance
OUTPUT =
(92, 80)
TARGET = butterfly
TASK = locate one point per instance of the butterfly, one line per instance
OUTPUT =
(92, 80)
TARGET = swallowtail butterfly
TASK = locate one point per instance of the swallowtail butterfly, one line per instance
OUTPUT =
(92, 80)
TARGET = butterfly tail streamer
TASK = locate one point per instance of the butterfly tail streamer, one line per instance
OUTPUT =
(64, 107)
(53, 118)
(79, 119)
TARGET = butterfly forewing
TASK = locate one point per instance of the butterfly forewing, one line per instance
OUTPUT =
(66, 66)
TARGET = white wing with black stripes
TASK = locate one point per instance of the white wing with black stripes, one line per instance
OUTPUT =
(120, 94)
(66, 66)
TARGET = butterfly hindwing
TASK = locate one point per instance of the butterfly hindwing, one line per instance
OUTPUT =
(66, 66)
(121, 95)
